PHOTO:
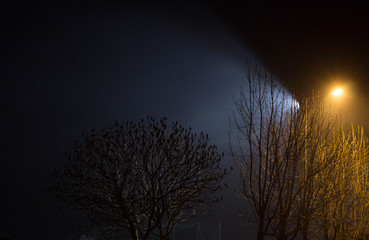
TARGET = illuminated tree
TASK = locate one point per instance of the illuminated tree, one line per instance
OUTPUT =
(141, 177)
(280, 147)
(345, 210)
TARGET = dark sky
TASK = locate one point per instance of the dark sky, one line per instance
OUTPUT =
(305, 43)
(68, 67)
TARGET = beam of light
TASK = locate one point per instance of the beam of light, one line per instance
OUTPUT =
(296, 104)
(337, 92)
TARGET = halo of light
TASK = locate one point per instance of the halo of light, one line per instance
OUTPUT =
(337, 92)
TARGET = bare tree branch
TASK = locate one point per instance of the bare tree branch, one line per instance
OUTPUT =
(141, 177)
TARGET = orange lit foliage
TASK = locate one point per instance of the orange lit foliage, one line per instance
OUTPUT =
(344, 212)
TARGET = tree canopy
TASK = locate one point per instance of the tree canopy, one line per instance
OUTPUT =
(140, 178)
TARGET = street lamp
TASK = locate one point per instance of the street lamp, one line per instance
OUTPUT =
(337, 92)
(339, 103)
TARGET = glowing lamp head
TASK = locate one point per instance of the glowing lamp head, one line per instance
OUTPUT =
(337, 92)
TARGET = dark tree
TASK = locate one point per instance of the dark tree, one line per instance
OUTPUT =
(141, 178)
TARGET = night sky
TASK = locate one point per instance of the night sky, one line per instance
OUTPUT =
(68, 67)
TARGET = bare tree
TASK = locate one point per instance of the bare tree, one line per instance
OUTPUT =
(280, 147)
(345, 211)
(141, 177)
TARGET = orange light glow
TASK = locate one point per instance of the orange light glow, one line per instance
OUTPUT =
(337, 92)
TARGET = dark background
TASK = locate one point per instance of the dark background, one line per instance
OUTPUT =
(69, 66)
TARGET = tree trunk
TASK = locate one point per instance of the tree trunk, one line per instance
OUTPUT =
(261, 233)
(304, 234)
(282, 230)
(304, 231)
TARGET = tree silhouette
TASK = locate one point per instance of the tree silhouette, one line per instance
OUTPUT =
(140, 177)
